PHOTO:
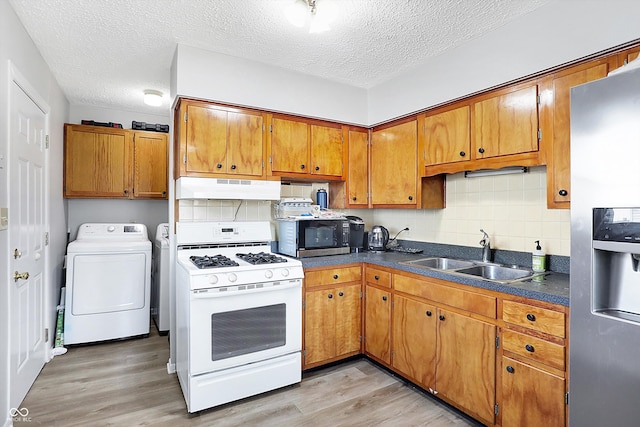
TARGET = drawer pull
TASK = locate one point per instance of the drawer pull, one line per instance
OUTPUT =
(330, 296)
(376, 277)
(384, 298)
(441, 317)
(428, 313)
(510, 369)
(335, 276)
(341, 294)
(529, 348)
(531, 317)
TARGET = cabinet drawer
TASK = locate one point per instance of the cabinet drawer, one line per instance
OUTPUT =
(534, 348)
(539, 319)
(454, 297)
(332, 276)
(379, 277)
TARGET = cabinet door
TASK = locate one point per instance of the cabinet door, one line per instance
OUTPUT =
(348, 319)
(394, 165)
(151, 155)
(447, 136)
(97, 162)
(206, 144)
(558, 165)
(377, 323)
(319, 325)
(245, 146)
(414, 340)
(506, 123)
(357, 179)
(289, 146)
(531, 397)
(326, 150)
(465, 365)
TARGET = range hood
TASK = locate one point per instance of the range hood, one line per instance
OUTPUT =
(226, 189)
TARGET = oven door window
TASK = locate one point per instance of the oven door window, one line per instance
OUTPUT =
(246, 331)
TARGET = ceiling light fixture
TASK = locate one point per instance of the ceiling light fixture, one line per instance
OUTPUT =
(493, 172)
(153, 97)
(303, 13)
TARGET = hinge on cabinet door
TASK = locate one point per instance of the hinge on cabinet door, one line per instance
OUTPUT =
(360, 294)
(270, 160)
(497, 342)
(263, 164)
(184, 159)
(566, 398)
(185, 116)
(360, 338)
(303, 305)
(46, 334)
(46, 141)
(539, 134)
(271, 128)
(496, 409)
(304, 354)
(538, 99)
(46, 238)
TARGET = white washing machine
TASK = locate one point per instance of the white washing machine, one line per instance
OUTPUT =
(160, 280)
(108, 283)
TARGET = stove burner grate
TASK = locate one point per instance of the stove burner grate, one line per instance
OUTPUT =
(214, 261)
(261, 258)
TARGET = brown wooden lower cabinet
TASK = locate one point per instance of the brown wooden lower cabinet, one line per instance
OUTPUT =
(476, 349)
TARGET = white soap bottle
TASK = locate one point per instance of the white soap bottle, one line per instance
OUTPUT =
(538, 259)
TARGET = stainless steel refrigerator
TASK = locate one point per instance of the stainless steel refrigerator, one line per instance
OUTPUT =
(604, 355)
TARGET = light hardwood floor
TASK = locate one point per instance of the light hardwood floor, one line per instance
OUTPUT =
(125, 383)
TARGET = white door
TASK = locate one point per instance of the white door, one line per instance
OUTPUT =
(27, 221)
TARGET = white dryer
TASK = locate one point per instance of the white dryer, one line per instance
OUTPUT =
(108, 283)
(160, 280)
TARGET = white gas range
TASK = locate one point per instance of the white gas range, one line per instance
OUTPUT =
(238, 313)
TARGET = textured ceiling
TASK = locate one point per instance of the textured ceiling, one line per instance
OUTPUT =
(106, 52)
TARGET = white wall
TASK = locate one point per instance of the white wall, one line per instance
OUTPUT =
(16, 46)
(558, 32)
(222, 78)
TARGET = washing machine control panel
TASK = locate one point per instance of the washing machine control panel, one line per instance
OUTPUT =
(110, 231)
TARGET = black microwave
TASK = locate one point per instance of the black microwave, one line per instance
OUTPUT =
(308, 237)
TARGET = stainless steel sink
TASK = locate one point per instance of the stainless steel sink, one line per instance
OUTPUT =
(440, 263)
(497, 273)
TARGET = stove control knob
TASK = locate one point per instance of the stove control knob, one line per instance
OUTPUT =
(268, 274)
(213, 279)
(285, 272)
(232, 277)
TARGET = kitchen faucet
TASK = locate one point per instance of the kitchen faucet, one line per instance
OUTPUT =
(486, 247)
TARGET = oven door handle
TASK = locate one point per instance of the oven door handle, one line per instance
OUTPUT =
(216, 293)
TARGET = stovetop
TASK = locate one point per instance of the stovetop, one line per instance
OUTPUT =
(215, 261)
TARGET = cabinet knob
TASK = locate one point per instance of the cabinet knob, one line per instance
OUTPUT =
(317, 168)
(219, 165)
(341, 294)
(510, 369)
(164, 193)
(441, 317)
(301, 166)
(335, 276)
(330, 296)
(126, 191)
(410, 197)
(563, 193)
(529, 348)
(354, 198)
(480, 150)
(233, 166)
(428, 313)
(384, 298)
(462, 154)
(531, 317)
(376, 277)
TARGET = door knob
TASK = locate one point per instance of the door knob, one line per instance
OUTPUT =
(17, 276)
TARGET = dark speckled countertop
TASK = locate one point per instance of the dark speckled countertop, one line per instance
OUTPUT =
(554, 288)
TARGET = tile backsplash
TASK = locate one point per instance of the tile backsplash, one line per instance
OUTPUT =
(512, 209)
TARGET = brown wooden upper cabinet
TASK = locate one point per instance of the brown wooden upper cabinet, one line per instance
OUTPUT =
(394, 166)
(358, 167)
(555, 110)
(102, 162)
(219, 141)
(305, 149)
(447, 136)
(505, 122)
